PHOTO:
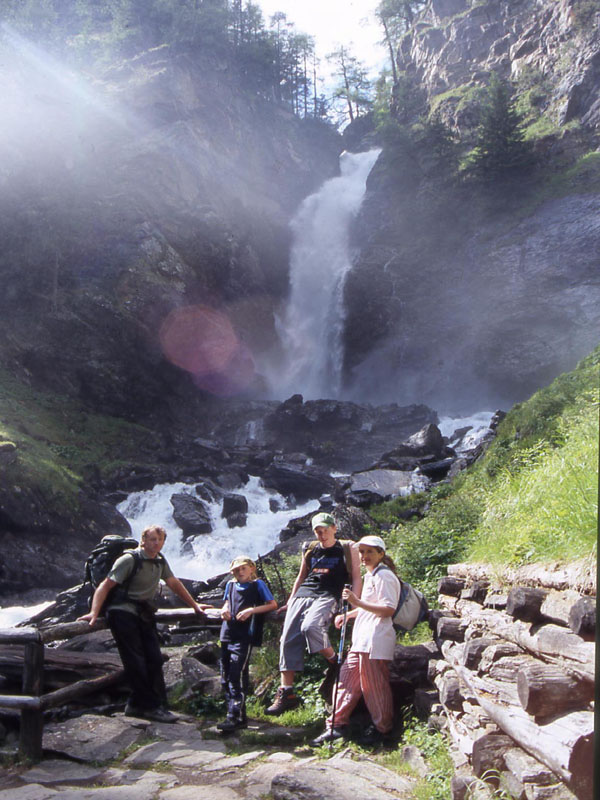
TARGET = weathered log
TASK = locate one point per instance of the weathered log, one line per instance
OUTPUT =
(525, 603)
(497, 651)
(582, 617)
(81, 689)
(19, 635)
(19, 702)
(32, 721)
(450, 691)
(544, 690)
(579, 575)
(424, 700)
(554, 791)
(527, 768)
(487, 758)
(476, 591)
(510, 785)
(66, 630)
(496, 599)
(551, 643)
(557, 606)
(60, 666)
(565, 745)
(450, 586)
(452, 628)
(506, 669)
(447, 604)
(473, 651)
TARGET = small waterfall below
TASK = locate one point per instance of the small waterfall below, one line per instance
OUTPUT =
(312, 328)
(210, 554)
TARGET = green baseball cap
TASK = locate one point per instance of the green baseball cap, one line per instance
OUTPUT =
(322, 520)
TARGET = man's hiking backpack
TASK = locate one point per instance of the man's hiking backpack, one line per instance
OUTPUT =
(104, 555)
(100, 561)
(412, 606)
(346, 545)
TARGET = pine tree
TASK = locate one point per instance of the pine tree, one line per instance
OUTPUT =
(501, 150)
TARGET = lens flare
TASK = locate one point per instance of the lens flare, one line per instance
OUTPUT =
(202, 341)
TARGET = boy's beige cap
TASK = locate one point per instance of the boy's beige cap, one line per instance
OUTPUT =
(239, 561)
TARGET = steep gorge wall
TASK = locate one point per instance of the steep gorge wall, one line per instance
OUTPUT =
(163, 184)
(466, 297)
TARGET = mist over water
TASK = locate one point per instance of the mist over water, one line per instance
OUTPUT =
(311, 328)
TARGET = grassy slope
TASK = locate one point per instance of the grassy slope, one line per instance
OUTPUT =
(531, 498)
(60, 445)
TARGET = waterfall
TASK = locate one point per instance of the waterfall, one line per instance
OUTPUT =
(311, 329)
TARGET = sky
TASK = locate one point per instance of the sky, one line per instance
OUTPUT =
(334, 22)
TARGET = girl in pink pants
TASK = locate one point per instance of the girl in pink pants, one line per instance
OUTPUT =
(365, 673)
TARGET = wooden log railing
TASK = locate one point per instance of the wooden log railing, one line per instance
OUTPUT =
(33, 702)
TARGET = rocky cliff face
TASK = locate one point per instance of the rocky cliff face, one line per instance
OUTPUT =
(456, 42)
(161, 185)
(462, 297)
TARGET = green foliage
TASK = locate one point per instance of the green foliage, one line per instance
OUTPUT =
(501, 150)
(543, 503)
(531, 497)
(422, 549)
(59, 445)
(276, 63)
(432, 745)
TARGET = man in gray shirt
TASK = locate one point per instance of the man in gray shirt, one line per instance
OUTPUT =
(132, 584)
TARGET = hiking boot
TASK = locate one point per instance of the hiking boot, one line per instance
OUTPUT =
(328, 682)
(372, 737)
(133, 711)
(330, 736)
(285, 700)
(158, 715)
(230, 724)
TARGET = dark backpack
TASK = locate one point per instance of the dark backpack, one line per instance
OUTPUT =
(103, 556)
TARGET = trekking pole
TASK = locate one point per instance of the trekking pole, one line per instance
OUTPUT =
(339, 665)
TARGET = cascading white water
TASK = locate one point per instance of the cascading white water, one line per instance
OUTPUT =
(312, 327)
(212, 552)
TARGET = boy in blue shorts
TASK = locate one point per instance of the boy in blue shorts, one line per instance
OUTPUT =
(247, 599)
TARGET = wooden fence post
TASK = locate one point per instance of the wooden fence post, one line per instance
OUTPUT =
(32, 721)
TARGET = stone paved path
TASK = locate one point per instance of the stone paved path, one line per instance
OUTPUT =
(109, 758)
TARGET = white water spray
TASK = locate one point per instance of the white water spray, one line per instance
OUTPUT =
(212, 552)
(311, 330)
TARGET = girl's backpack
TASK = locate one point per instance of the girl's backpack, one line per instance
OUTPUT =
(412, 606)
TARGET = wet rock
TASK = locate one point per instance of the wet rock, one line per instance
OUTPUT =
(190, 514)
(188, 674)
(235, 509)
(341, 434)
(376, 485)
(236, 520)
(303, 482)
(209, 491)
(92, 738)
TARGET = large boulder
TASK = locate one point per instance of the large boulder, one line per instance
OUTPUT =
(300, 481)
(190, 514)
(377, 485)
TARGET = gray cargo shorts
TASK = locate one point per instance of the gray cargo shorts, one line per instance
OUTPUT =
(307, 622)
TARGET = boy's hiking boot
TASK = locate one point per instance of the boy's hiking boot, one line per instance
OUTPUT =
(230, 724)
(285, 700)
